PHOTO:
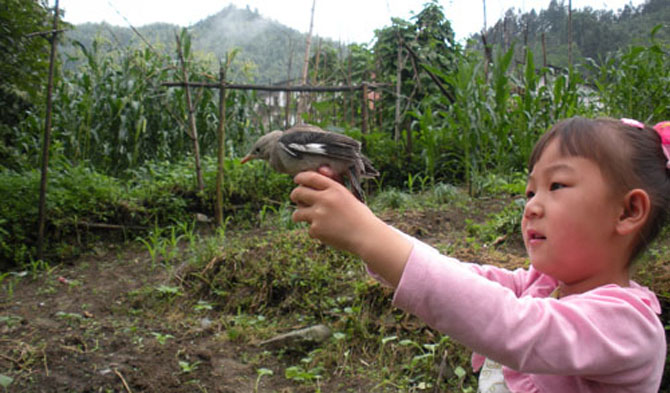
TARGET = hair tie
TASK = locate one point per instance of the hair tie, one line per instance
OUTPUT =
(632, 123)
(663, 129)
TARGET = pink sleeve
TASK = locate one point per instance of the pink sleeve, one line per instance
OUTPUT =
(606, 330)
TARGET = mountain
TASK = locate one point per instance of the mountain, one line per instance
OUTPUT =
(265, 44)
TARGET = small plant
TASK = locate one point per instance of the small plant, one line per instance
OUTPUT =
(261, 373)
(203, 305)
(153, 243)
(188, 367)
(162, 338)
(71, 318)
(5, 381)
(168, 291)
(10, 320)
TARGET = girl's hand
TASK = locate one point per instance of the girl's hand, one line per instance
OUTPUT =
(338, 219)
(334, 215)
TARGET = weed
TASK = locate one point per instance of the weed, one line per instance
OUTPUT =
(203, 306)
(169, 291)
(188, 367)
(261, 373)
(161, 338)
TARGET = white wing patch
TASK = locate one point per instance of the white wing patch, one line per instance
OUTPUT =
(313, 148)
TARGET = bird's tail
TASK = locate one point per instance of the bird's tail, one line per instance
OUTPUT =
(356, 188)
(368, 169)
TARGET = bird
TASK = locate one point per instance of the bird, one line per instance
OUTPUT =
(306, 147)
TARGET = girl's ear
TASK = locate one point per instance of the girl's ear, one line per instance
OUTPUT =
(635, 212)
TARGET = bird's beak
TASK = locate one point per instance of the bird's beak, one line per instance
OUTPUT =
(246, 158)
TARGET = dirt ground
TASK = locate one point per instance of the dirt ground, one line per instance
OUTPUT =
(71, 329)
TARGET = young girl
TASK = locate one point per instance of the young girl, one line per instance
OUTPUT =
(598, 192)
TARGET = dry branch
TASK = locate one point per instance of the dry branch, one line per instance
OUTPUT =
(235, 86)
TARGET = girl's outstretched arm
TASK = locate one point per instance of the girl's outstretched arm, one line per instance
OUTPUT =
(338, 219)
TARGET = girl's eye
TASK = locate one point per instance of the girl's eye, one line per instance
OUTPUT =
(530, 194)
(556, 186)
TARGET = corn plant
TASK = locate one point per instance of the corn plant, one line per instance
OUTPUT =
(633, 82)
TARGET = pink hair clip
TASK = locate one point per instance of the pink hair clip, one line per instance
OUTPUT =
(663, 129)
(632, 123)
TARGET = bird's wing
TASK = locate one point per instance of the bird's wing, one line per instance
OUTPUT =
(304, 127)
(328, 144)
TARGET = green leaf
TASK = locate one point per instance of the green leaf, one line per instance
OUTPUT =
(5, 380)
(460, 372)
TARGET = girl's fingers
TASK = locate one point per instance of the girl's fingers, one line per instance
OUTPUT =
(329, 172)
(314, 180)
(301, 214)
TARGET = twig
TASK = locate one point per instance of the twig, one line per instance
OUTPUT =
(440, 374)
(18, 364)
(44, 359)
(236, 86)
(125, 385)
(107, 226)
(44, 33)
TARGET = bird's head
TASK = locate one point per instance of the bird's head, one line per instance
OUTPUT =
(262, 148)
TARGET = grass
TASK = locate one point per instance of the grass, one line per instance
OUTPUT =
(236, 286)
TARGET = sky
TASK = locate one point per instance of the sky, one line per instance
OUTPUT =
(344, 20)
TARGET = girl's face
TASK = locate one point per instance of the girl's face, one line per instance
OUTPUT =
(569, 219)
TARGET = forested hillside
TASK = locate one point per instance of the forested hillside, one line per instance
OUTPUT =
(595, 32)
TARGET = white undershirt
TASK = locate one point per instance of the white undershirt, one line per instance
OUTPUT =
(491, 379)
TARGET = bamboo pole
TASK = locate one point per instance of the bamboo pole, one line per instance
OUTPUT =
(350, 97)
(235, 86)
(302, 102)
(47, 138)
(544, 57)
(221, 151)
(570, 33)
(193, 131)
(288, 93)
(398, 87)
(364, 113)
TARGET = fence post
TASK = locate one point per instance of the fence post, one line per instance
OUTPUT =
(364, 112)
(221, 152)
(47, 139)
(193, 131)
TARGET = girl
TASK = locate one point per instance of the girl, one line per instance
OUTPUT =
(598, 192)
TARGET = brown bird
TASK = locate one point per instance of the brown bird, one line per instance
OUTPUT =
(306, 147)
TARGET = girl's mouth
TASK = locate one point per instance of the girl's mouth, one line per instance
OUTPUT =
(534, 236)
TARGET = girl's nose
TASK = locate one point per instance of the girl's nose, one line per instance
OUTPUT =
(533, 208)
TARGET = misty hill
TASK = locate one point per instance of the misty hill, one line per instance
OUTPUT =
(265, 43)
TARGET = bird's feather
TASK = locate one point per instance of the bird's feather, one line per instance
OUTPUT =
(320, 143)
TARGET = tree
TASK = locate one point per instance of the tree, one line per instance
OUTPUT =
(24, 58)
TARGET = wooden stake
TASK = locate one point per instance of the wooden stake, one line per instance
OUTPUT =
(544, 57)
(350, 96)
(288, 82)
(364, 113)
(302, 104)
(221, 151)
(47, 138)
(398, 86)
(193, 131)
(570, 33)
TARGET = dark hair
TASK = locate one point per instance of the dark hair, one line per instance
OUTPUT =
(629, 157)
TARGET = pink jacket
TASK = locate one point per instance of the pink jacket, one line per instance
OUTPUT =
(608, 339)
